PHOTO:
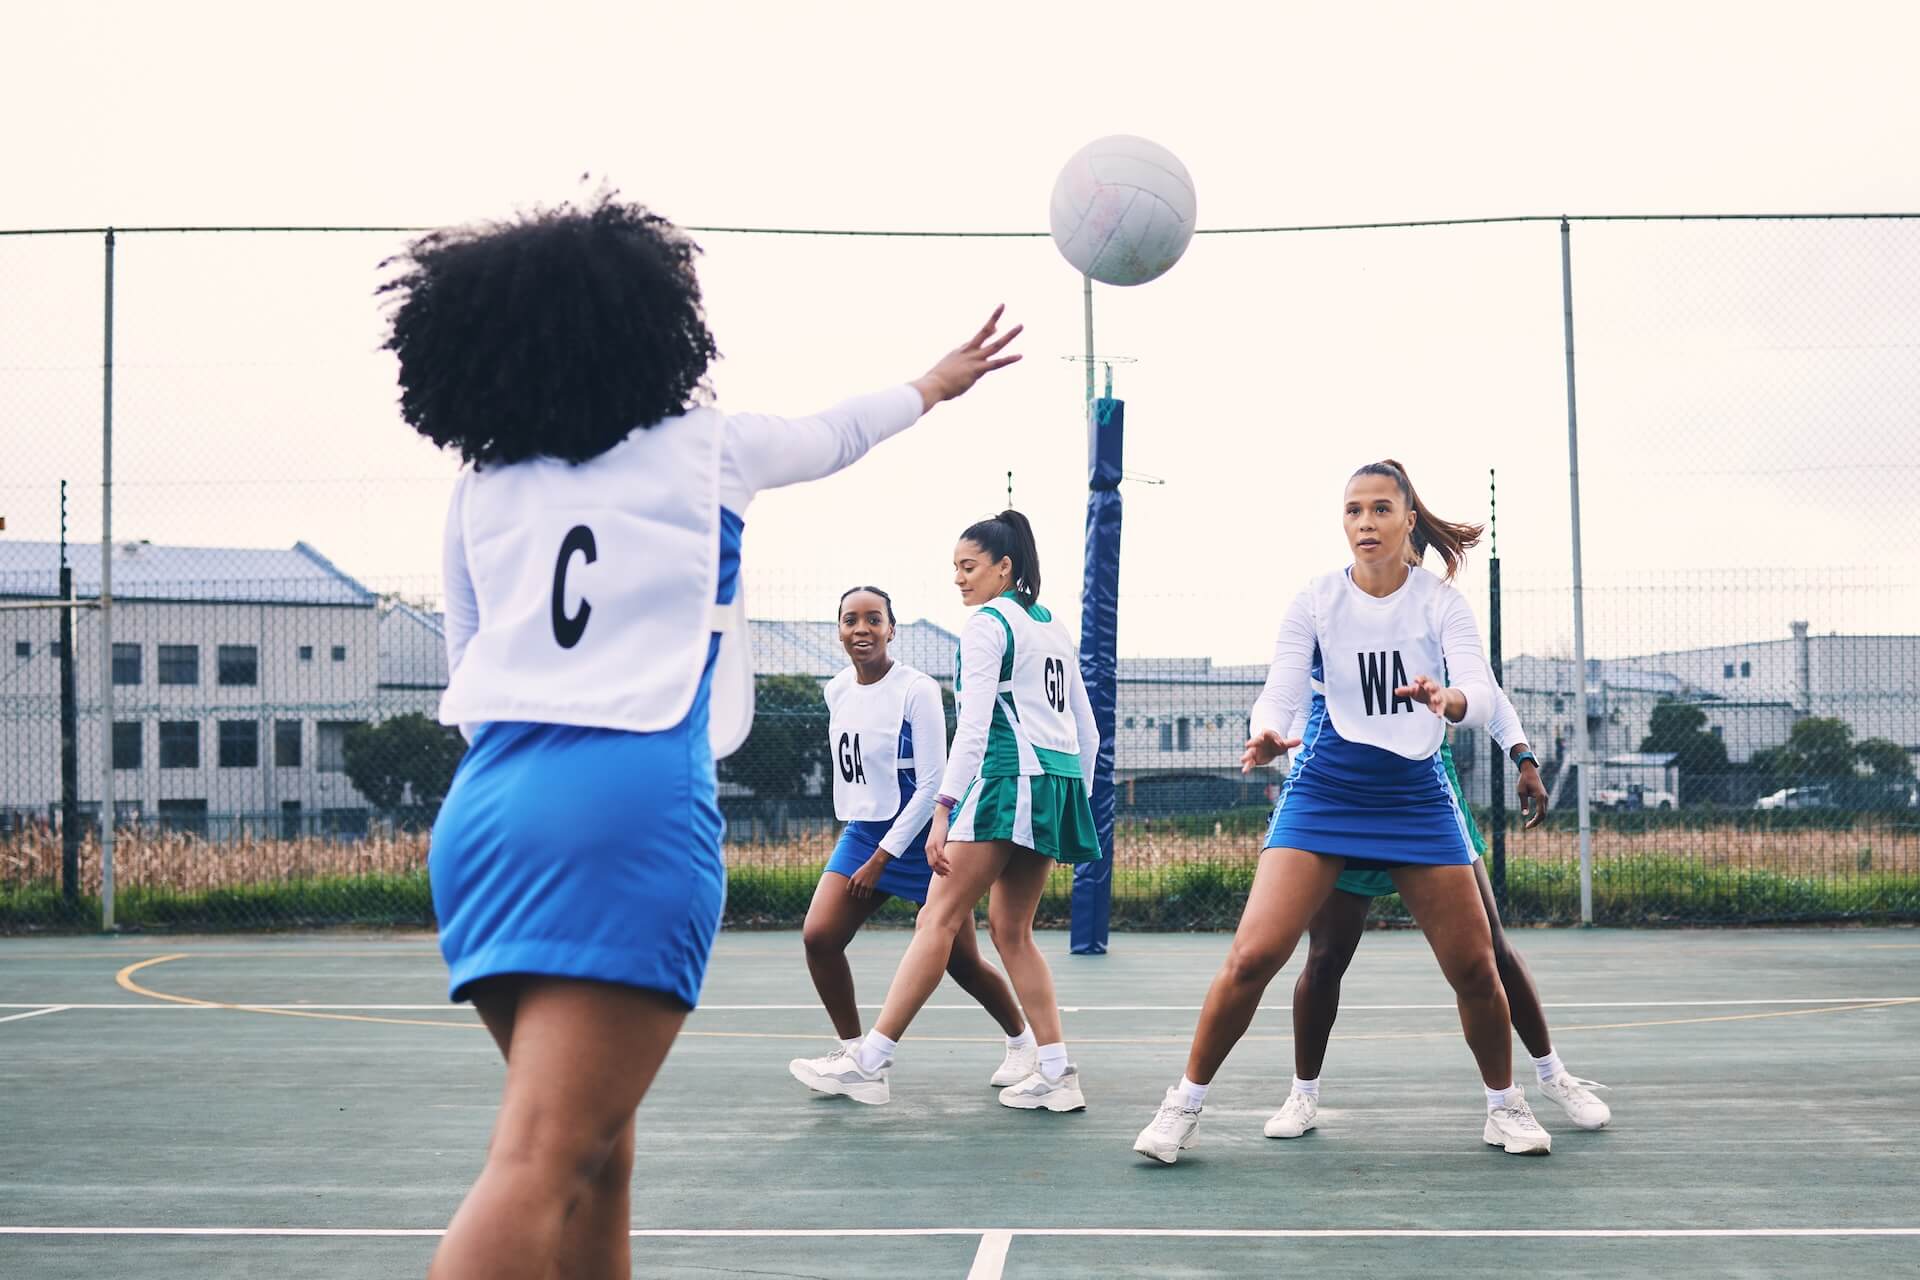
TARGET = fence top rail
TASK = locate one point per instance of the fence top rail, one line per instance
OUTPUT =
(1498, 220)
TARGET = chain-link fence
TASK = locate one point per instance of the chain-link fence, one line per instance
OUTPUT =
(263, 712)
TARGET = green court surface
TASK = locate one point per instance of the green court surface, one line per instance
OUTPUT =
(299, 1106)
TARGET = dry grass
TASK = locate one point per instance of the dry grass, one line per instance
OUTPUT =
(179, 863)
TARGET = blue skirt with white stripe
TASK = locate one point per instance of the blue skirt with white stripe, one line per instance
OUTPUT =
(1362, 802)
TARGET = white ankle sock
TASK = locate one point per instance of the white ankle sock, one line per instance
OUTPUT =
(1195, 1094)
(1549, 1066)
(1022, 1041)
(1311, 1088)
(1053, 1060)
(851, 1045)
(1497, 1098)
(874, 1051)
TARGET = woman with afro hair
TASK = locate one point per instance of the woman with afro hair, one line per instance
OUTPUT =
(593, 625)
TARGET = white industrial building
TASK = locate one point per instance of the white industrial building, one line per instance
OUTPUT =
(237, 673)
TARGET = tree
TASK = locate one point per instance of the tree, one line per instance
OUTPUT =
(1681, 729)
(406, 760)
(788, 744)
(1887, 759)
(1823, 746)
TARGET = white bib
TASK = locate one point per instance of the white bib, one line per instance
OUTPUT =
(863, 738)
(1370, 647)
(1043, 658)
(595, 588)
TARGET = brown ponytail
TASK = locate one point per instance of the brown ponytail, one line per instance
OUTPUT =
(1429, 530)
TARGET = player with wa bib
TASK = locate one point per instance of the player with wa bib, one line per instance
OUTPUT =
(1013, 803)
(592, 579)
(1361, 647)
(887, 735)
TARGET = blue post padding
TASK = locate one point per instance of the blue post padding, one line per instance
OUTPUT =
(1099, 624)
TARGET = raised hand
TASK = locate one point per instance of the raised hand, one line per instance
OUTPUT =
(955, 372)
(1533, 796)
(1263, 748)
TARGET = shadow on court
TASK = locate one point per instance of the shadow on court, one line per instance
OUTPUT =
(310, 1106)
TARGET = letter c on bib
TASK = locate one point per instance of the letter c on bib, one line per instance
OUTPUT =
(567, 629)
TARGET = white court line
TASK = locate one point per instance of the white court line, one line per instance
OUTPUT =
(1130, 1233)
(35, 1013)
(991, 1259)
(43, 1007)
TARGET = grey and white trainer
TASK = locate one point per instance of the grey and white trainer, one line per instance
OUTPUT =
(1576, 1096)
(1016, 1066)
(1037, 1091)
(839, 1072)
(1172, 1130)
(1295, 1116)
(1514, 1129)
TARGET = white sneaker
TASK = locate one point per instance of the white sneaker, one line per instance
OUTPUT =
(1037, 1091)
(1016, 1066)
(1514, 1128)
(1295, 1116)
(1576, 1095)
(1172, 1130)
(839, 1072)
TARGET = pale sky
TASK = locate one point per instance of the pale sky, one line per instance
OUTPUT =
(1747, 391)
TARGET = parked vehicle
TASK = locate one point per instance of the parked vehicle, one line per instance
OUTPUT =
(1793, 798)
(1633, 796)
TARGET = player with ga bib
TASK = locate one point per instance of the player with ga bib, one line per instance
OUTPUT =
(1362, 647)
(888, 737)
(1335, 932)
(592, 581)
(1013, 803)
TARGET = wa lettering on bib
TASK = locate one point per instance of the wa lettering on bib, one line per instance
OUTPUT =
(863, 732)
(1371, 647)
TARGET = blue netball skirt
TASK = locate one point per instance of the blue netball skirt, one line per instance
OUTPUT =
(1373, 807)
(581, 853)
(907, 875)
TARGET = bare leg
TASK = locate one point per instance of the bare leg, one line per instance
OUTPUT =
(1523, 998)
(1332, 935)
(1288, 888)
(1446, 903)
(1016, 896)
(833, 917)
(580, 1056)
(982, 981)
(950, 901)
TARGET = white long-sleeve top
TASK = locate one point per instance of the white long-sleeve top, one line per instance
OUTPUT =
(758, 452)
(1365, 646)
(983, 649)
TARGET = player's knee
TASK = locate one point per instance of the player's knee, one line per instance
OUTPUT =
(821, 941)
(1009, 931)
(1254, 963)
(1322, 968)
(936, 922)
(1476, 977)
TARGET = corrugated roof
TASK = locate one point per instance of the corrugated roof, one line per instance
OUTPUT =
(144, 570)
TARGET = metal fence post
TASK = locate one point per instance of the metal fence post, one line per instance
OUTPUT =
(1581, 747)
(107, 816)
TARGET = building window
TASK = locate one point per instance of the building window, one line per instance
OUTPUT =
(1219, 722)
(344, 824)
(23, 648)
(126, 663)
(330, 745)
(1166, 735)
(179, 664)
(1129, 722)
(1746, 669)
(239, 664)
(126, 744)
(1715, 731)
(306, 653)
(290, 823)
(57, 649)
(1726, 672)
(339, 653)
(179, 744)
(239, 744)
(184, 815)
(286, 744)
(1186, 734)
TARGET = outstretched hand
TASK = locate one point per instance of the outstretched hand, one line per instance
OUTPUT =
(1263, 748)
(955, 372)
(1434, 695)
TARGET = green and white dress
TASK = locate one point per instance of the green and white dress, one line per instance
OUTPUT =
(1021, 765)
